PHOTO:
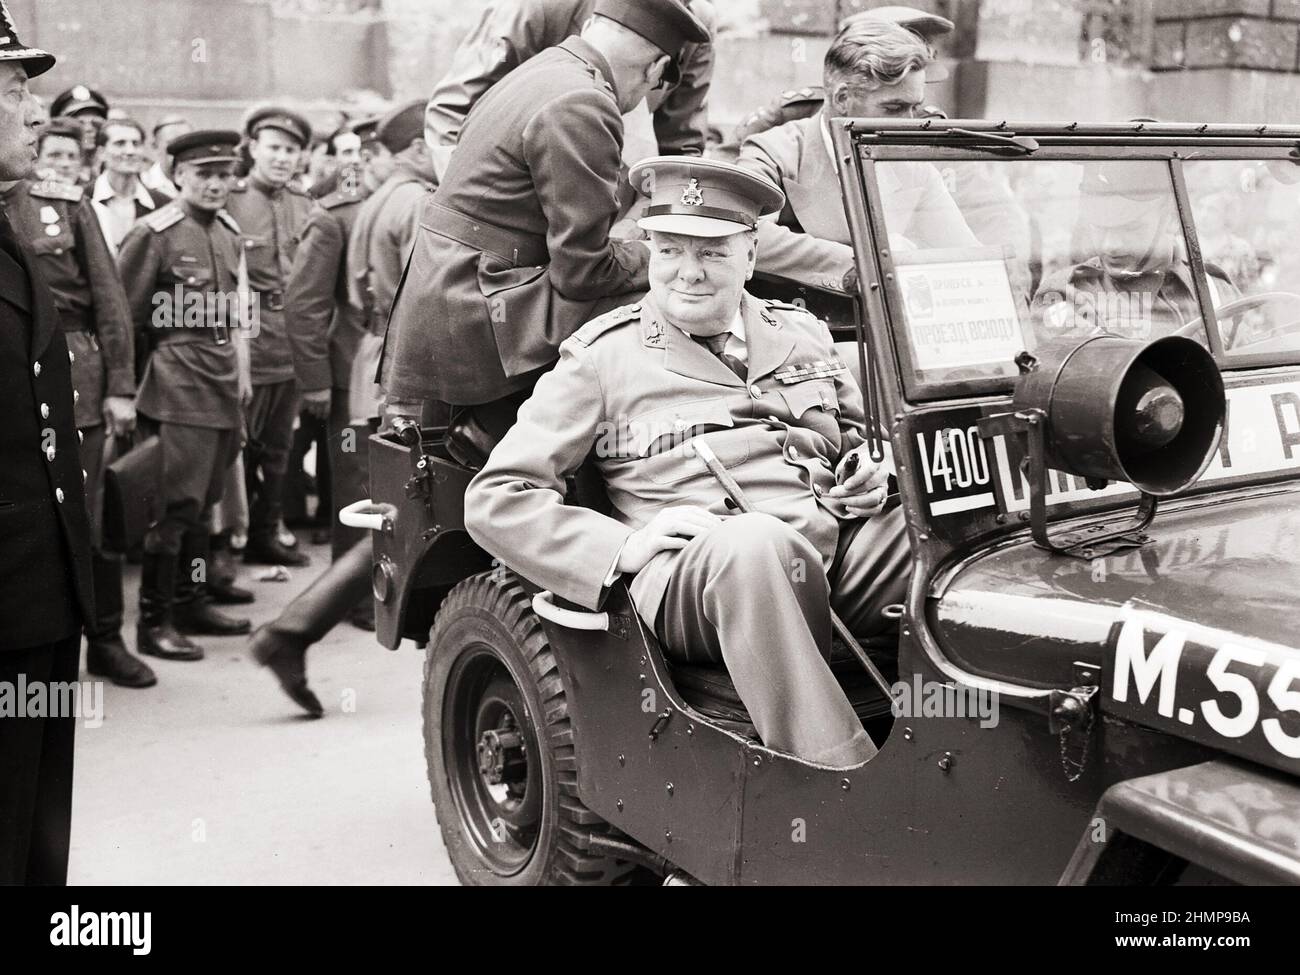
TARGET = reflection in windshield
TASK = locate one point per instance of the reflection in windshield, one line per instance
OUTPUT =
(1068, 249)
(1247, 215)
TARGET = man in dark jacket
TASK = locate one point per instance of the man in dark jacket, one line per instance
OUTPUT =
(514, 252)
(45, 577)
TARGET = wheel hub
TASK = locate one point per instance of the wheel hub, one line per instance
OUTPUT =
(502, 759)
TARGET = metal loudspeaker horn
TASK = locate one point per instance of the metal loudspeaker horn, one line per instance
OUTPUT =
(1114, 409)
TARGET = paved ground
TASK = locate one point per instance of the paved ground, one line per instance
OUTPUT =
(211, 777)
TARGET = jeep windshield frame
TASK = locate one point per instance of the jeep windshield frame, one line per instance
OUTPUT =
(865, 149)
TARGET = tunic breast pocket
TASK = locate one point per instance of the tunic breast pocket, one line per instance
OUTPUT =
(663, 439)
(815, 405)
(53, 246)
(259, 252)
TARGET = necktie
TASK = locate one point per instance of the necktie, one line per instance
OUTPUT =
(716, 344)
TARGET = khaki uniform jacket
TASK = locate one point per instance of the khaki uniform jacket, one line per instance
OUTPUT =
(271, 223)
(327, 328)
(631, 391)
(809, 239)
(57, 225)
(513, 251)
(380, 242)
(511, 32)
(180, 271)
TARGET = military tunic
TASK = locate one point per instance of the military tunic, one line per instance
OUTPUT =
(513, 252)
(636, 394)
(271, 222)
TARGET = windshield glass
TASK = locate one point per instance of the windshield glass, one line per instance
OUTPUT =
(993, 258)
(1247, 215)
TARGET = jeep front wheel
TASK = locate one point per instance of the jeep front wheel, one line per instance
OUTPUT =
(499, 746)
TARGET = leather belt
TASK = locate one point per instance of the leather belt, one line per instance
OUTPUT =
(272, 300)
(214, 334)
(511, 246)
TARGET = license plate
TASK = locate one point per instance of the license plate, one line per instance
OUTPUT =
(1229, 692)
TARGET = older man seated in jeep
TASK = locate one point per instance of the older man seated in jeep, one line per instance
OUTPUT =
(701, 361)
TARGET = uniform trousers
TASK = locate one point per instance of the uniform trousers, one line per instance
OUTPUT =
(106, 568)
(266, 458)
(752, 594)
(36, 771)
(195, 461)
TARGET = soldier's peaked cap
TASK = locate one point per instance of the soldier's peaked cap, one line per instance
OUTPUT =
(666, 24)
(702, 197)
(33, 59)
(205, 146)
(282, 120)
(79, 99)
(401, 126)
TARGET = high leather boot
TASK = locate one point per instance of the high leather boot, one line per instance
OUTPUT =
(155, 634)
(194, 612)
(222, 574)
(106, 653)
(282, 645)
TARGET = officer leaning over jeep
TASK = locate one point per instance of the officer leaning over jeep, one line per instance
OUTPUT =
(181, 268)
(56, 222)
(699, 360)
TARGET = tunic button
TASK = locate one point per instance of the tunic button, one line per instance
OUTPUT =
(772, 419)
(49, 453)
(81, 437)
(71, 356)
(76, 395)
(754, 391)
(58, 495)
(45, 411)
(189, 280)
(793, 454)
(817, 490)
(36, 368)
(84, 475)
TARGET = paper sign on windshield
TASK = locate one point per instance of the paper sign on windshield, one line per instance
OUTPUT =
(960, 313)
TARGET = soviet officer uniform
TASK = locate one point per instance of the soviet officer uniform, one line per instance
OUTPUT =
(327, 332)
(634, 391)
(46, 590)
(61, 231)
(514, 253)
(271, 220)
(180, 267)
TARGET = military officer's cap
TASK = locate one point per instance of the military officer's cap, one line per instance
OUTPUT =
(928, 25)
(366, 128)
(666, 24)
(205, 146)
(398, 128)
(167, 120)
(702, 197)
(34, 60)
(80, 100)
(1117, 192)
(64, 126)
(282, 120)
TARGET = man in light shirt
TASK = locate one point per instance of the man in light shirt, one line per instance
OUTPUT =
(119, 196)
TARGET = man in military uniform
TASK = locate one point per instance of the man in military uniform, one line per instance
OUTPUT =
(46, 592)
(513, 251)
(271, 213)
(57, 224)
(799, 103)
(383, 234)
(873, 68)
(59, 152)
(511, 31)
(1136, 283)
(181, 269)
(700, 360)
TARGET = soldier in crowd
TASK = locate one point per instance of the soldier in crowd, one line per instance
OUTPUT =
(119, 196)
(179, 264)
(270, 213)
(165, 130)
(45, 575)
(90, 110)
(510, 32)
(700, 360)
(59, 152)
(386, 226)
(60, 230)
(513, 251)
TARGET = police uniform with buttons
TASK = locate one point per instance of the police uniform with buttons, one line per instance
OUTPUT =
(271, 220)
(635, 391)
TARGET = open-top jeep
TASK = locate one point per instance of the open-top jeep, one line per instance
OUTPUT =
(1096, 446)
